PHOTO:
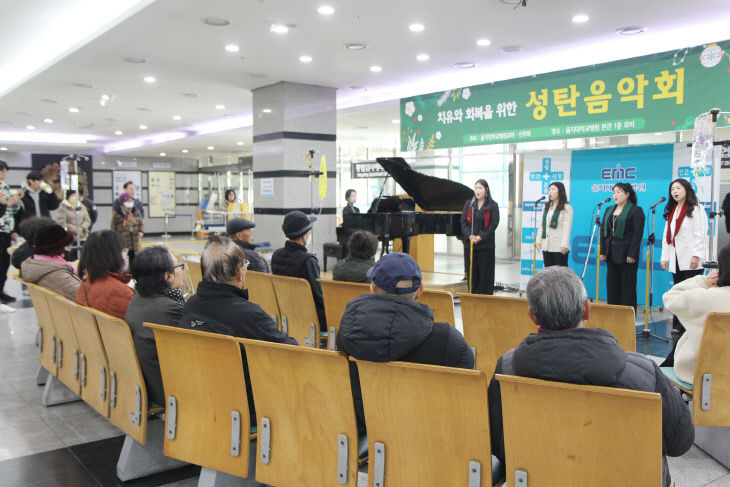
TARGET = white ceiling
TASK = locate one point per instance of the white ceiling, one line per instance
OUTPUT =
(187, 56)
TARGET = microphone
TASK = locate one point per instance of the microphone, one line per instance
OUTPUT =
(473, 200)
(539, 199)
(605, 201)
(661, 200)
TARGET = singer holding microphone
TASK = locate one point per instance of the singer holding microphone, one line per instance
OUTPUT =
(479, 221)
(553, 236)
(621, 231)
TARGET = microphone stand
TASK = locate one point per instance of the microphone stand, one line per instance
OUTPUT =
(471, 245)
(596, 224)
(534, 238)
(646, 333)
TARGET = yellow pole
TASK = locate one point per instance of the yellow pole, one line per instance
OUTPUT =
(471, 262)
(646, 303)
(598, 269)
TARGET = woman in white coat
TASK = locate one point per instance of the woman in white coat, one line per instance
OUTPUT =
(553, 235)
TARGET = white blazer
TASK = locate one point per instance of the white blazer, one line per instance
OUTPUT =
(559, 237)
(691, 240)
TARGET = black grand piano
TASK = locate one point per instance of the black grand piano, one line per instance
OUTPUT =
(391, 217)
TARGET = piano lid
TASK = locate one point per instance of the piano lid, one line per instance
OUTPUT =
(429, 192)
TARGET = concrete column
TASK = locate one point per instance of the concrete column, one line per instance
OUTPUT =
(290, 119)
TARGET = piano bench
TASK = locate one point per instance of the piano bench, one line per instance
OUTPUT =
(332, 249)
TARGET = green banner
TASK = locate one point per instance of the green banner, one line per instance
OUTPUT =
(656, 93)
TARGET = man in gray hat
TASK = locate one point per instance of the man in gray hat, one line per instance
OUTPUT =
(293, 259)
(239, 229)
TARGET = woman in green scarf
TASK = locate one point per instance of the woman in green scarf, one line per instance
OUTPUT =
(621, 232)
(553, 236)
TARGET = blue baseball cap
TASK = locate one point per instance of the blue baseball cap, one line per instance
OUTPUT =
(396, 273)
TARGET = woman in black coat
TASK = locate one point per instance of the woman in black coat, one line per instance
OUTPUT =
(479, 221)
(622, 229)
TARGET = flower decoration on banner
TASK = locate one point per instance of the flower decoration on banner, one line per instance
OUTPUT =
(456, 94)
(466, 93)
(410, 108)
(442, 99)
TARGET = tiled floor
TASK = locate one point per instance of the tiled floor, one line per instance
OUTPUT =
(72, 445)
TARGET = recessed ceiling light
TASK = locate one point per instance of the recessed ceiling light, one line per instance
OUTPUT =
(3, 148)
(30, 127)
(512, 49)
(464, 65)
(256, 75)
(163, 154)
(279, 28)
(82, 85)
(423, 57)
(355, 46)
(118, 132)
(150, 79)
(416, 27)
(357, 88)
(216, 21)
(176, 117)
(189, 95)
(580, 18)
(266, 110)
(376, 68)
(240, 142)
(631, 30)
(185, 151)
(326, 10)
(48, 100)
(73, 110)
(47, 120)
(143, 127)
(143, 109)
(232, 48)
(104, 99)
(305, 59)
(483, 42)
(134, 60)
(395, 120)
(210, 147)
(220, 107)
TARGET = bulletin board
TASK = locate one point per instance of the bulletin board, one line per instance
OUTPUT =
(161, 193)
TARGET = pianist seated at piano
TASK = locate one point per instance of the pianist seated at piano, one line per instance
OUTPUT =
(479, 221)
(361, 249)
(351, 197)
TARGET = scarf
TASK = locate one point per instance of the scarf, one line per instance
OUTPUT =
(618, 232)
(174, 294)
(553, 220)
(58, 260)
(680, 218)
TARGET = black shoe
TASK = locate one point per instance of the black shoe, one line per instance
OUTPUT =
(6, 298)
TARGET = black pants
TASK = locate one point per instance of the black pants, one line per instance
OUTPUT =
(467, 246)
(482, 279)
(4, 259)
(680, 276)
(554, 258)
(621, 283)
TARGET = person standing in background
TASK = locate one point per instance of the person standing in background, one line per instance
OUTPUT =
(351, 198)
(479, 221)
(90, 207)
(66, 216)
(553, 236)
(132, 191)
(9, 206)
(128, 223)
(38, 199)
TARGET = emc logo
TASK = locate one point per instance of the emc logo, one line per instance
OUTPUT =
(618, 172)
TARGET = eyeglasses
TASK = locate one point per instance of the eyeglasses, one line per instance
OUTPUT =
(246, 263)
(175, 267)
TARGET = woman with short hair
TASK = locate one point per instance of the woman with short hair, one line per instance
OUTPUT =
(361, 250)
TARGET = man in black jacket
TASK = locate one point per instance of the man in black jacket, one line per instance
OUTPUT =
(221, 304)
(390, 325)
(90, 207)
(239, 229)
(38, 200)
(563, 350)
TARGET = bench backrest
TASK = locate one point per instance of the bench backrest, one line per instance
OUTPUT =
(207, 411)
(47, 356)
(298, 314)
(619, 320)
(192, 268)
(442, 304)
(305, 415)
(426, 424)
(127, 391)
(494, 325)
(711, 387)
(68, 357)
(261, 291)
(565, 434)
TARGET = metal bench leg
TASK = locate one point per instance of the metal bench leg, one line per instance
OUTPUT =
(213, 478)
(138, 461)
(57, 393)
(41, 376)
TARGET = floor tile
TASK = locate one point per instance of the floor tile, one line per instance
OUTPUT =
(26, 439)
(721, 482)
(695, 468)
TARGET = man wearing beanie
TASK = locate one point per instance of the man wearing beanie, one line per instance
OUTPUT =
(390, 325)
(47, 268)
(239, 229)
(293, 260)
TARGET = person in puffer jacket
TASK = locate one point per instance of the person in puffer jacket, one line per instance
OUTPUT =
(390, 324)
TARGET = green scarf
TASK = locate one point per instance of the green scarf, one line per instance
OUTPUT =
(618, 232)
(553, 221)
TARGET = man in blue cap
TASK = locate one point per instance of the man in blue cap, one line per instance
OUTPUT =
(390, 325)
(239, 229)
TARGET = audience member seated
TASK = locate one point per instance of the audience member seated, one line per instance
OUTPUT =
(361, 250)
(563, 350)
(390, 325)
(221, 304)
(293, 259)
(158, 278)
(102, 265)
(29, 228)
(691, 301)
(47, 268)
(240, 230)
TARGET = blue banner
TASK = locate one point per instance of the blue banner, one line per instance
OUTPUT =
(593, 173)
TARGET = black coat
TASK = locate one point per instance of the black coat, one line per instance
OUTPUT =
(618, 249)
(47, 201)
(256, 262)
(23, 252)
(352, 269)
(91, 208)
(591, 357)
(350, 209)
(293, 260)
(485, 232)
(384, 328)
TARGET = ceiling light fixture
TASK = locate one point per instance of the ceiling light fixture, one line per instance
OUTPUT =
(416, 27)
(220, 107)
(3, 148)
(631, 30)
(184, 151)
(423, 57)
(143, 127)
(326, 10)
(376, 68)
(512, 49)
(305, 59)
(216, 21)
(163, 154)
(580, 18)
(483, 42)
(73, 110)
(266, 110)
(464, 65)
(134, 60)
(47, 120)
(118, 132)
(150, 79)
(210, 147)
(355, 46)
(279, 28)
(232, 48)
(30, 127)
(176, 117)
(240, 142)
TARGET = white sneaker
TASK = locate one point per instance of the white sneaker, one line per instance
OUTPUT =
(4, 308)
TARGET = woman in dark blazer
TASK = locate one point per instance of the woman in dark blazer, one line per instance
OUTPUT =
(622, 229)
(479, 221)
